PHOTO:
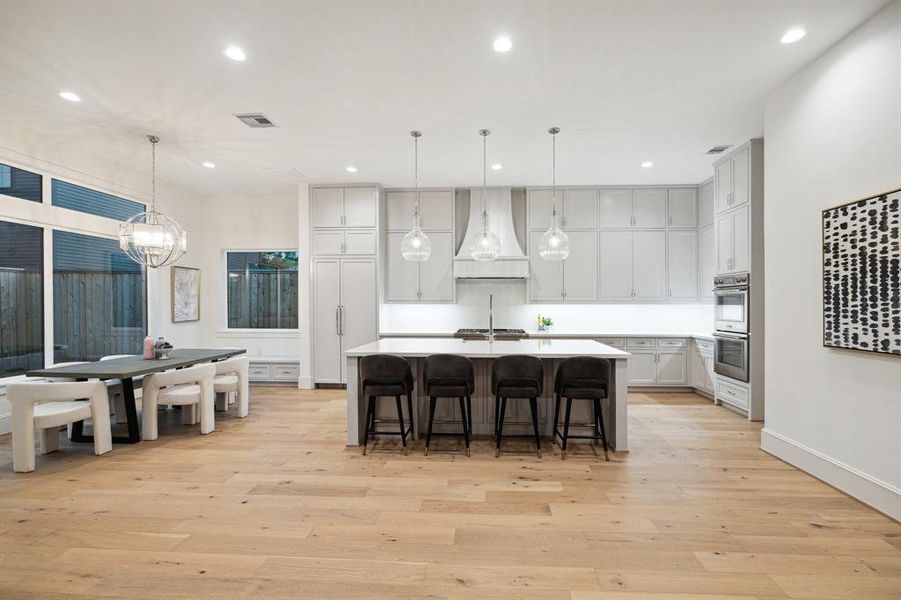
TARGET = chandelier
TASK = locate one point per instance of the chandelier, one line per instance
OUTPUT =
(152, 238)
(487, 245)
(554, 243)
(416, 246)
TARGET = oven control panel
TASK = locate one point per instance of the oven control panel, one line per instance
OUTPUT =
(732, 280)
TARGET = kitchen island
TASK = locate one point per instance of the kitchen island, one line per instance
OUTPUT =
(483, 353)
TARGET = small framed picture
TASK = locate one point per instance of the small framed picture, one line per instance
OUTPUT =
(185, 294)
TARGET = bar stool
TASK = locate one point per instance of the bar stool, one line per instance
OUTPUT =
(386, 375)
(450, 376)
(516, 377)
(581, 378)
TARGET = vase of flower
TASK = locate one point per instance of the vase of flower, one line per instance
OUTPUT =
(544, 323)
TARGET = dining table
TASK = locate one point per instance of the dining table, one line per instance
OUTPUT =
(126, 370)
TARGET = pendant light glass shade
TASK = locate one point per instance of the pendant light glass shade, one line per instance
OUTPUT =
(416, 246)
(152, 238)
(554, 243)
(487, 246)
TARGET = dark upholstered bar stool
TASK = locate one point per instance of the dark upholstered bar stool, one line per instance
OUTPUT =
(581, 378)
(386, 375)
(516, 377)
(449, 376)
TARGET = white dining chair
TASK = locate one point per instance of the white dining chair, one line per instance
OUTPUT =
(232, 379)
(115, 390)
(46, 406)
(190, 388)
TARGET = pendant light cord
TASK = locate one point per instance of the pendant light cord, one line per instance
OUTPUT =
(153, 142)
(416, 176)
(553, 131)
(484, 133)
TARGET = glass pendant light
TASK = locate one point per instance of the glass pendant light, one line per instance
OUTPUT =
(152, 238)
(487, 245)
(416, 246)
(554, 243)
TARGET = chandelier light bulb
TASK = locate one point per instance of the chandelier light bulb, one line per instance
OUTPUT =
(416, 245)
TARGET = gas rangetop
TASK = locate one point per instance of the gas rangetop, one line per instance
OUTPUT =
(499, 334)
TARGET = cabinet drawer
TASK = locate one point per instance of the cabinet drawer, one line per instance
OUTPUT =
(641, 343)
(672, 342)
(705, 347)
(285, 372)
(618, 343)
(259, 372)
(732, 394)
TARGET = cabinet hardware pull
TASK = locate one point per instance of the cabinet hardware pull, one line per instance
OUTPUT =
(338, 320)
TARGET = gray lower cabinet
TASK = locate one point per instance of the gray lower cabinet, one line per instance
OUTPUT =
(658, 361)
(267, 371)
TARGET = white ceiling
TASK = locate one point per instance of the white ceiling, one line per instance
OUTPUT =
(345, 81)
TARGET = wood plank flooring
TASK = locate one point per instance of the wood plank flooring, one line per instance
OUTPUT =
(275, 506)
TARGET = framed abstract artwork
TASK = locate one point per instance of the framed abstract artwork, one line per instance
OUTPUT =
(185, 294)
(862, 274)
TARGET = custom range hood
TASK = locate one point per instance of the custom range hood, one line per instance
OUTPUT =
(511, 263)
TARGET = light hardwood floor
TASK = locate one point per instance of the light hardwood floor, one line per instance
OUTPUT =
(276, 506)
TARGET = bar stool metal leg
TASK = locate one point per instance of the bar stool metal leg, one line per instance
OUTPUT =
(533, 405)
(400, 420)
(469, 414)
(465, 420)
(410, 415)
(500, 428)
(556, 416)
(569, 406)
(600, 427)
(370, 412)
(428, 436)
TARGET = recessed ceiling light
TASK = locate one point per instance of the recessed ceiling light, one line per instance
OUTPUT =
(647, 164)
(70, 96)
(351, 169)
(208, 164)
(497, 167)
(503, 44)
(793, 35)
(235, 53)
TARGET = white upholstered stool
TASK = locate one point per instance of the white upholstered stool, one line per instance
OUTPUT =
(188, 388)
(46, 406)
(231, 378)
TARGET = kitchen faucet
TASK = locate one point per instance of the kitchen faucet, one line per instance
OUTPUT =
(490, 318)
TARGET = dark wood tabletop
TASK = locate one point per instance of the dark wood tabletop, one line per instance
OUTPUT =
(134, 366)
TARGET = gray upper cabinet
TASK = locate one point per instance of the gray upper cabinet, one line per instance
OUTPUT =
(682, 207)
(649, 207)
(432, 280)
(682, 265)
(436, 209)
(615, 208)
(580, 209)
(344, 207)
(732, 180)
(576, 208)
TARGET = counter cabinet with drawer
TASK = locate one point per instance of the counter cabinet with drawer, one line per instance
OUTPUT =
(276, 370)
(661, 362)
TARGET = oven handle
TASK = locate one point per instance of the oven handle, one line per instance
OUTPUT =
(731, 336)
(732, 288)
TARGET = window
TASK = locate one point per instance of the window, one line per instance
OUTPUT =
(99, 298)
(21, 298)
(82, 199)
(262, 290)
(20, 183)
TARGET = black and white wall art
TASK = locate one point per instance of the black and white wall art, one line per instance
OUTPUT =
(862, 274)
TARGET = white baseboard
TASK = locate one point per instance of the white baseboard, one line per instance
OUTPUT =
(882, 496)
(305, 383)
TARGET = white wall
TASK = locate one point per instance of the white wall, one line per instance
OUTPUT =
(833, 135)
(216, 224)
(512, 311)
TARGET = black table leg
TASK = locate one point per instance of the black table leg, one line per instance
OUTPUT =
(131, 415)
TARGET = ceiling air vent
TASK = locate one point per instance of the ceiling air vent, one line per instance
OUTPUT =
(255, 120)
(719, 149)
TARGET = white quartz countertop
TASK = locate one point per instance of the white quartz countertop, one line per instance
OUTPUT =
(555, 335)
(542, 348)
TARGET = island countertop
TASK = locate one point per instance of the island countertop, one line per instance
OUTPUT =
(542, 348)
